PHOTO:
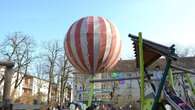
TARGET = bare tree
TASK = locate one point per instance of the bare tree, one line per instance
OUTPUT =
(65, 69)
(18, 47)
(185, 52)
(57, 68)
(53, 50)
(41, 73)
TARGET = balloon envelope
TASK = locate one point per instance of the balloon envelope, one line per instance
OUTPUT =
(93, 45)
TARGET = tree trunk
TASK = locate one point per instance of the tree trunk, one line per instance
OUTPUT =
(51, 80)
(48, 94)
(13, 93)
(61, 92)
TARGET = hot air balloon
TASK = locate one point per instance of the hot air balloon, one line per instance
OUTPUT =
(93, 45)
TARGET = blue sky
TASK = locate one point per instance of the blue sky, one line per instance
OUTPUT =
(163, 21)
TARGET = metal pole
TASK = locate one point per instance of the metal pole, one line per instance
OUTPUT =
(171, 81)
(157, 97)
(91, 92)
(162, 82)
(118, 79)
(141, 69)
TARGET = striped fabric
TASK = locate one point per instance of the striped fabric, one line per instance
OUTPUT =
(93, 45)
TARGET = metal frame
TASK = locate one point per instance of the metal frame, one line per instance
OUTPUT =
(91, 92)
(141, 69)
(158, 51)
(117, 79)
(186, 71)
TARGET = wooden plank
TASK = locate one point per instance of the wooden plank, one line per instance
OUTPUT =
(183, 69)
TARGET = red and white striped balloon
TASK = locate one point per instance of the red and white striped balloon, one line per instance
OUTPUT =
(93, 45)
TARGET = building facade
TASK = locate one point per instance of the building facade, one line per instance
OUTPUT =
(126, 91)
(31, 88)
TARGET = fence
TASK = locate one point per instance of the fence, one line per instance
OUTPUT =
(21, 107)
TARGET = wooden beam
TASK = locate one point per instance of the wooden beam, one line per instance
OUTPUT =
(118, 79)
(183, 69)
(8, 64)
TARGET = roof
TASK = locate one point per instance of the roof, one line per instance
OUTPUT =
(152, 51)
(126, 66)
(130, 65)
(9, 64)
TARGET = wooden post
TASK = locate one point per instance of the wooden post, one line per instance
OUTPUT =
(7, 83)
